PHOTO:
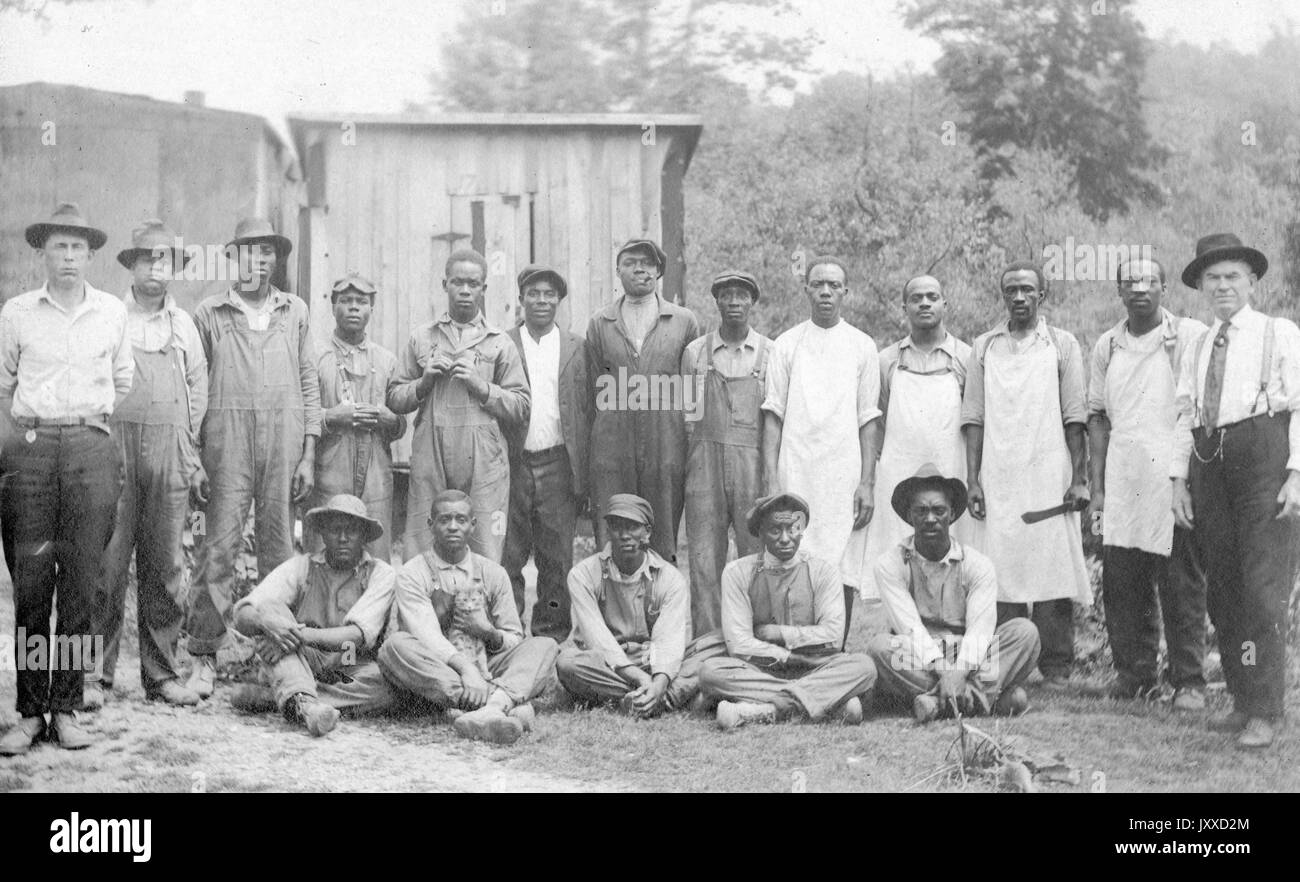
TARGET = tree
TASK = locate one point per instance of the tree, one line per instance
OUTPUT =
(1061, 76)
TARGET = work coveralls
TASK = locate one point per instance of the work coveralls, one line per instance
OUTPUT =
(638, 439)
(358, 462)
(156, 430)
(724, 470)
(459, 442)
(263, 401)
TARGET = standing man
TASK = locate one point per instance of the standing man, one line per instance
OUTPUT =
(548, 462)
(783, 620)
(1131, 418)
(724, 464)
(1023, 415)
(1236, 474)
(65, 364)
(461, 645)
(639, 339)
(822, 421)
(946, 650)
(632, 622)
(921, 381)
(467, 383)
(356, 425)
(157, 432)
(259, 436)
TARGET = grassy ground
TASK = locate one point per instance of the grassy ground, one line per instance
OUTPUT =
(1121, 746)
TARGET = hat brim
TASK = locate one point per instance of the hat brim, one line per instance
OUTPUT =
(629, 515)
(128, 256)
(655, 251)
(374, 529)
(1192, 272)
(282, 244)
(555, 277)
(37, 234)
(901, 499)
(754, 520)
(733, 281)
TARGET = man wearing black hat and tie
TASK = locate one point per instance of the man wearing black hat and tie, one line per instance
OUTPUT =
(356, 425)
(783, 621)
(636, 343)
(631, 622)
(259, 436)
(157, 430)
(65, 365)
(946, 650)
(1236, 475)
(724, 462)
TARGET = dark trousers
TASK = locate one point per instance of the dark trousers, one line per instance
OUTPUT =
(1131, 580)
(543, 516)
(56, 516)
(1054, 620)
(1249, 555)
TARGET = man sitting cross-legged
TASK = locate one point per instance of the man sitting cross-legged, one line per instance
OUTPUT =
(316, 620)
(460, 644)
(631, 620)
(941, 595)
(783, 620)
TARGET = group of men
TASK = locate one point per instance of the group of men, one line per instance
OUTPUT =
(841, 471)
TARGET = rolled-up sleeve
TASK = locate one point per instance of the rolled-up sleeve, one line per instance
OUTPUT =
(738, 614)
(588, 624)
(893, 577)
(370, 612)
(123, 355)
(1073, 380)
(281, 586)
(972, 399)
(1097, 376)
(777, 384)
(869, 385)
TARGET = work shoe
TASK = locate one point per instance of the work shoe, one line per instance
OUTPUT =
(172, 692)
(525, 714)
(317, 717)
(249, 698)
(850, 712)
(1257, 735)
(92, 695)
(22, 735)
(1012, 703)
(1189, 700)
(925, 707)
(1231, 723)
(203, 676)
(732, 714)
(489, 724)
(65, 729)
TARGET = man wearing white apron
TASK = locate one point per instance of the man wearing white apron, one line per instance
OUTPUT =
(1023, 415)
(921, 381)
(821, 421)
(1131, 417)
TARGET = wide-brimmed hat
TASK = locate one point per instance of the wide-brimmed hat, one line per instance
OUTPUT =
(1222, 246)
(258, 229)
(346, 503)
(644, 245)
(535, 271)
(67, 218)
(928, 477)
(764, 504)
(148, 238)
(631, 507)
(734, 277)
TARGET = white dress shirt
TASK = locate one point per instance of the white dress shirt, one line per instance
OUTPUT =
(542, 358)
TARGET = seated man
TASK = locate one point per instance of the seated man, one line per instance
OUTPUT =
(783, 620)
(460, 645)
(631, 614)
(316, 620)
(941, 600)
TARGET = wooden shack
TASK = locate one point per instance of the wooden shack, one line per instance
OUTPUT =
(124, 158)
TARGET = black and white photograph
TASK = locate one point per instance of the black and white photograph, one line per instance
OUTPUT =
(651, 396)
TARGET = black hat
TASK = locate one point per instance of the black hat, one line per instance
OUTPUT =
(734, 277)
(539, 271)
(645, 245)
(928, 477)
(764, 504)
(67, 218)
(1222, 246)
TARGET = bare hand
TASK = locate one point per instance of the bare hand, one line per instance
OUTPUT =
(339, 417)
(365, 416)
(474, 622)
(475, 689)
(1288, 498)
(975, 500)
(388, 421)
(304, 479)
(199, 489)
(864, 504)
(954, 691)
(634, 676)
(1182, 504)
(803, 662)
(648, 699)
(438, 364)
(1077, 494)
(467, 373)
(284, 635)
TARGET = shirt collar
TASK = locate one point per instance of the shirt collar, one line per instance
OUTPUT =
(465, 565)
(611, 312)
(1168, 330)
(649, 568)
(345, 346)
(1245, 317)
(276, 299)
(768, 561)
(750, 341)
(133, 305)
(90, 302)
(945, 345)
(319, 558)
(527, 337)
(1040, 329)
(955, 550)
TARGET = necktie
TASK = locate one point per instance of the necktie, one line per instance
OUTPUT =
(1214, 378)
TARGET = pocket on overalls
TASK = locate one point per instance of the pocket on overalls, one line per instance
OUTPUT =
(744, 398)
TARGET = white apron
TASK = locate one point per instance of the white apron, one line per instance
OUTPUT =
(820, 458)
(1026, 467)
(1140, 405)
(923, 425)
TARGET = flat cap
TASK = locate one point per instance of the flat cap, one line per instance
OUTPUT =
(631, 507)
(734, 277)
(535, 271)
(764, 504)
(648, 245)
